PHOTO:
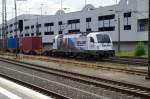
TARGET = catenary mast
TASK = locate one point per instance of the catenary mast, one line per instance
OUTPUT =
(4, 23)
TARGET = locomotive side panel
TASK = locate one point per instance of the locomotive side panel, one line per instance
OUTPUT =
(71, 43)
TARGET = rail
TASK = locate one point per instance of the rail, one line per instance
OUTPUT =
(126, 88)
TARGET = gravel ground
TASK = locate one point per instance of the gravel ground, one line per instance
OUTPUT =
(120, 76)
(61, 85)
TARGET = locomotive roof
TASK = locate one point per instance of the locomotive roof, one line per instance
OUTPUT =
(85, 33)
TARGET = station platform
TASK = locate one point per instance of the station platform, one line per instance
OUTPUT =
(11, 90)
(114, 75)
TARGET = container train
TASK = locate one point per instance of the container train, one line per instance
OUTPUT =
(94, 44)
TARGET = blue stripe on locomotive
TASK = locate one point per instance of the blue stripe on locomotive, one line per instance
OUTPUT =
(12, 43)
(72, 43)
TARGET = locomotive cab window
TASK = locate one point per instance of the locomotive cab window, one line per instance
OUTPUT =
(53, 40)
(92, 39)
(103, 38)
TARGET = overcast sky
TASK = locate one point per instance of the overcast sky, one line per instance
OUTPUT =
(50, 6)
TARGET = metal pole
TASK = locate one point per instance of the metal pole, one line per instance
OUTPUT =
(41, 9)
(4, 23)
(6, 29)
(116, 1)
(37, 27)
(118, 33)
(61, 5)
(15, 3)
(148, 75)
(85, 2)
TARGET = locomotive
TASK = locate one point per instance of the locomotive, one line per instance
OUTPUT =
(87, 45)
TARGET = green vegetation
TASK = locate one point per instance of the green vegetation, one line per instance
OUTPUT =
(139, 51)
(129, 54)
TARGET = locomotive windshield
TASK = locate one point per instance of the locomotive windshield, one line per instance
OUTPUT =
(103, 38)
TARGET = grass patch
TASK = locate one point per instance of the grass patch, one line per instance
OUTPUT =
(129, 54)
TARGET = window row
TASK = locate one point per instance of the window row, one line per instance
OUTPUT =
(32, 34)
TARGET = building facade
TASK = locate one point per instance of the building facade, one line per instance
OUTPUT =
(130, 17)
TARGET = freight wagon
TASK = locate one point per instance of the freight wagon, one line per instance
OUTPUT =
(12, 44)
(89, 45)
(31, 45)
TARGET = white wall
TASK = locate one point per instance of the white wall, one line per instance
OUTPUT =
(138, 8)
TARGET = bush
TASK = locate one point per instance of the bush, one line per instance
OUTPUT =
(140, 49)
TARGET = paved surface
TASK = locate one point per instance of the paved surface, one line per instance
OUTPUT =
(130, 78)
(10, 90)
(3, 96)
(140, 67)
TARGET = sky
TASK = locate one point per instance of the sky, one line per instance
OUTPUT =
(49, 7)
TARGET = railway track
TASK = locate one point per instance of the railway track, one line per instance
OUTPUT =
(139, 61)
(89, 64)
(125, 88)
(128, 60)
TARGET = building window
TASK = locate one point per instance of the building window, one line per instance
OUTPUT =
(106, 17)
(48, 24)
(49, 33)
(105, 23)
(127, 20)
(74, 31)
(60, 32)
(27, 35)
(10, 25)
(73, 25)
(49, 28)
(128, 14)
(15, 23)
(88, 24)
(32, 26)
(74, 21)
(38, 25)
(127, 27)
(60, 23)
(107, 29)
(88, 19)
(11, 31)
(26, 27)
(21, 35)
(89, 30)
(32, 34)
(60, 26)
(38, 34)
(142, 25)
(15, 30)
